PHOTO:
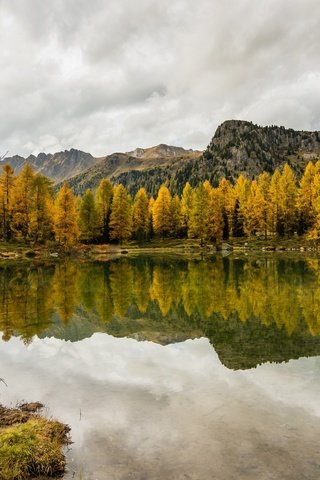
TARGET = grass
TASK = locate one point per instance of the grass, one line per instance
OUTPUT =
(30, 445)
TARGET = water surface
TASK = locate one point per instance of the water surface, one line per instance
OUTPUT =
(170, 369)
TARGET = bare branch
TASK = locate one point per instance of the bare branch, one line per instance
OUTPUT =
(1, 380)
(2, 157)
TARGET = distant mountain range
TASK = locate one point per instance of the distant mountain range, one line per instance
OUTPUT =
(58, 166)
(236, 147)
(143, 167)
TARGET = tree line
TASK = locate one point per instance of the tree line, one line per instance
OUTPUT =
(271, 205)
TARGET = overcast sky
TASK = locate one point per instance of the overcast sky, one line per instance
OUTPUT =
(112, 75)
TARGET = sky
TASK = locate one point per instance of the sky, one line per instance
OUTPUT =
(112, 75)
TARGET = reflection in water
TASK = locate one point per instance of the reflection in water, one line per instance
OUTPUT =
(165, 410)
(252, 311)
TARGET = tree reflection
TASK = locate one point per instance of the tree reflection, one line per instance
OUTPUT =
(223, 299)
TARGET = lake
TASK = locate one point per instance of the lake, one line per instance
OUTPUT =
(170, 368)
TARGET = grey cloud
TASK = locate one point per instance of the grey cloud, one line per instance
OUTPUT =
(114, 75)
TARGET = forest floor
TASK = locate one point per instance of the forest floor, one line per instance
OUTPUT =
(11, 252)
(30, 444)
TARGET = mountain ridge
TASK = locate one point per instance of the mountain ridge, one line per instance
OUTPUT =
(237, 147)
(58, 166)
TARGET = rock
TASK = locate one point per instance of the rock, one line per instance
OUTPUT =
(226, 246)
(31, 407)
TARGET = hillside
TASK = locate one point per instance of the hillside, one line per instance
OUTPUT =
(153, 164)
(58, 166)
(242, 147)
(237, 147)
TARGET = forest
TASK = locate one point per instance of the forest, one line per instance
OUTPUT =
(274, 205)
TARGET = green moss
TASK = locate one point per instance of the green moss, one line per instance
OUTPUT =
(32, 449)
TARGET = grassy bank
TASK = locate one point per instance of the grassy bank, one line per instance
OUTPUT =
(53, 252)
(30, 444)
(190, 246)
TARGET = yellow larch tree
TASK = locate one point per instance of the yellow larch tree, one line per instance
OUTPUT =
(254, 210)
(215, 215)
(199, 218)
(6, 201)
(65, 222)
(23, 202)
(150, 210)
(121, 214)
(264, 180)
(161, 212)
(140, 214)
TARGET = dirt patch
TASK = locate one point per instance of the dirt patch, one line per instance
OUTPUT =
(30, 444)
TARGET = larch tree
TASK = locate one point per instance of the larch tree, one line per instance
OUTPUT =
(237, 220)
(150, 210)
(23, 202)
(305, 199)
(41, 220)
(241, 193)
(288, 196)
(88, 217)
(199, 220)
(228, 207)
(141, 216)
(161, 212)
(275, 220)
(314, 230)
(215, 214)
(66, 217)
(186, 207)
(103, 202)
(264, 186)
(121, 215)
(6, 200)
(254, 210)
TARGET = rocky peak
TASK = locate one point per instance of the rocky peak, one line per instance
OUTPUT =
(159, 151)
(243, 147)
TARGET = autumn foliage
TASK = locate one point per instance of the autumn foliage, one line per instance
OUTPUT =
(274, 205)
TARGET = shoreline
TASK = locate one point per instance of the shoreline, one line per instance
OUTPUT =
(19, 252)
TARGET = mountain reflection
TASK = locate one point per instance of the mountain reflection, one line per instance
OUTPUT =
(252, 310)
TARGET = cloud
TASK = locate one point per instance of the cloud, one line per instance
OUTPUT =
(143, 406)
(105, 76)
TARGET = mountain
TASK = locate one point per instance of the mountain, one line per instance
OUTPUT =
(242, 147)
(237, 147)
(130, 167)
(58, 166)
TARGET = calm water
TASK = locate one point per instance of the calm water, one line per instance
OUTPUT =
(170, 369)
